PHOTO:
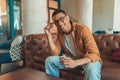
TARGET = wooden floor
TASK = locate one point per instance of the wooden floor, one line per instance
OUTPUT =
(8, 67)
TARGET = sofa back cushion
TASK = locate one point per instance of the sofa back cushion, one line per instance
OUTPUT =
(107, 43)
(36, 49)
(116, 55)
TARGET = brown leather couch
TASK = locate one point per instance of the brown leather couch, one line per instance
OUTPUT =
(37, 49)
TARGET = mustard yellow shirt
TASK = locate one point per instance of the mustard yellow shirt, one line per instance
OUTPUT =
(84, 42)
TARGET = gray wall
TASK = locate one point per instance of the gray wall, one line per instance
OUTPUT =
(72, 8)
(103, 14)
(99, 18)
(35, 16)
(81, 10)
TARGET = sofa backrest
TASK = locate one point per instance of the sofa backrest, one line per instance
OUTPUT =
(107, 43)
(36, 46)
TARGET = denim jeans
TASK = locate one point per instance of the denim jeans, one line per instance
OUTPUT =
(92, 71)
(5, 57)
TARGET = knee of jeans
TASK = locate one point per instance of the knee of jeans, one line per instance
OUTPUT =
(92, 69)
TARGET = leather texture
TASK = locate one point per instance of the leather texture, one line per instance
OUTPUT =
(116, 55)
(36, 50)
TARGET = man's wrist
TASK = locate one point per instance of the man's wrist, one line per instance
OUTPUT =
(49, 36)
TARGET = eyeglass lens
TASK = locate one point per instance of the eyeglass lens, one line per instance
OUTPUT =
(60, 19)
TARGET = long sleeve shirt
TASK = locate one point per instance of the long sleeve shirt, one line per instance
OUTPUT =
(83, 40)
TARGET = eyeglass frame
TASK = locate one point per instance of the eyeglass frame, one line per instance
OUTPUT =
(60, 19)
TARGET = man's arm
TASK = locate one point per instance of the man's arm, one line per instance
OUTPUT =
(70, 63)
(90, 45)
(55, 49)
(82, 61)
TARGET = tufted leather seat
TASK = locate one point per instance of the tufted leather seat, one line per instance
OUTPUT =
(37, 49)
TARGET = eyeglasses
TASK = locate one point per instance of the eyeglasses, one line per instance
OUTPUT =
(60, 19)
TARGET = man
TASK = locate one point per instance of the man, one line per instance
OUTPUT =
(76, 42)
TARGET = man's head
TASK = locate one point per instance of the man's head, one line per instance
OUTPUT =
(62, 21)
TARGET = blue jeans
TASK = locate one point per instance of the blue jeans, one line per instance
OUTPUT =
(92, 71)
(5, 58)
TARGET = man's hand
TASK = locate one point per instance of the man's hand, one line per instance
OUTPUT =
(68, 62)
(49, 36)
(47, 29)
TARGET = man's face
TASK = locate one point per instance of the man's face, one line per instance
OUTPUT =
(62, 22)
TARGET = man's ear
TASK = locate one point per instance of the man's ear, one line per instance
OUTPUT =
(52, 18)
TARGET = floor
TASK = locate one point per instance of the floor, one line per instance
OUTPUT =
(8, 67)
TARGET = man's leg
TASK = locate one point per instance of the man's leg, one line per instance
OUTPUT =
(52, 65)
(4, 58)
(92, 71)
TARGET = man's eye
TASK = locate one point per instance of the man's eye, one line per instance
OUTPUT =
(62, 17)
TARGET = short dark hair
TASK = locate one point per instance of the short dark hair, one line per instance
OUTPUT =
(58, 11)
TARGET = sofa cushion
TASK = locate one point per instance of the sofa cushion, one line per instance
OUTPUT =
(116, 55)
(37, 49)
